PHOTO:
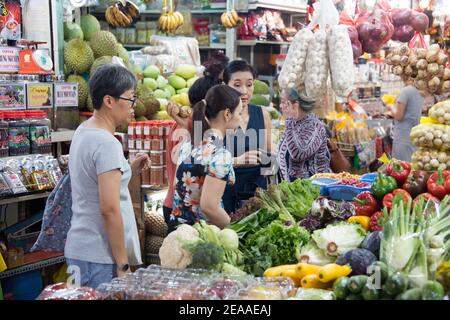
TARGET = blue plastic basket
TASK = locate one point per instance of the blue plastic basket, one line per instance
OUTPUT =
(25, 286)
(369, 177)
(346, 193)
(323, 184)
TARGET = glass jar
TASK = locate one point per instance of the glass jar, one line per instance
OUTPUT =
(40, 139)
(146, 128)
(153, 128)
(131, 128)
(18, 133)
(141, 37)
(139, 128)
(4, 143)
(139, 142)
(131, 142)
(145, 174)
(157, 143)
(147, 143)
(157, 158)
(157, 175)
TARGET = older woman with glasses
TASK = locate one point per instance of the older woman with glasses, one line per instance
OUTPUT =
(303, 149)
(103, 240)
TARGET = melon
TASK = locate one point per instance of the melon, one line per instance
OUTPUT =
(186, 71)
(72, 31)
(177, 82)
(90, 25)
(152, 72)
(191, 81)
(150, 83)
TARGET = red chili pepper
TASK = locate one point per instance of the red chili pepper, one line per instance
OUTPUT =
(436, 184)
(399, 170)
(426, 197)
(377, 221)
(365, 204)
(389, 198)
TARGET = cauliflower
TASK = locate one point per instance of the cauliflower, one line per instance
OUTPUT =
(172, 254)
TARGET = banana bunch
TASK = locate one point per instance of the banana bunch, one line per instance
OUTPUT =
(121, 14)
(170, 21)
(231, 19)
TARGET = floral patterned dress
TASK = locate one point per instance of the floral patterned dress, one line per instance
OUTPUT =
(208, 159)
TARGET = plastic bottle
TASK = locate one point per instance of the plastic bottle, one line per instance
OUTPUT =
(4, 142)
(40, 132)
(18, 134)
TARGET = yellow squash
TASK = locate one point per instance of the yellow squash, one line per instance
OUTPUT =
(304, 269)
(312, 281)
(276, 271)
(292, 273)
(332, 271)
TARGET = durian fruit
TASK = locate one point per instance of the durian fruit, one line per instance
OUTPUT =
(83, 90)
(90, 25)
(139, 109)
(155, 224)
(153, 243)
(104, 43)
(78, 56)
(123, 128)
(123, 53)
(89, 105)
(99, 62)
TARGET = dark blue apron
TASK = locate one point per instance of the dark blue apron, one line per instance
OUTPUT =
(247, 179)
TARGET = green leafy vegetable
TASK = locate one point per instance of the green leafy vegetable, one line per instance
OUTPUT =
(311, 254)
(277, 244)
(206, 255)
(298, 196)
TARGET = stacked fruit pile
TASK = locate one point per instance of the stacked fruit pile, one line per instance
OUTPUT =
(156, 230)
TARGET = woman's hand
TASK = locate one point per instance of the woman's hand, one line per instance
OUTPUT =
(251, 157)
(141, 163)
(173, 110)
(121, 273)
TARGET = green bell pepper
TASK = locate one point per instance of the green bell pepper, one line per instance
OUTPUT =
(382, 185)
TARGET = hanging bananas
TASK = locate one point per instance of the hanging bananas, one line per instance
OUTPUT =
(170, 21)
(121, 14)
(231, 19)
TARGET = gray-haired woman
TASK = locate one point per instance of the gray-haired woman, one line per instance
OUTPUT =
(103, 240)
(303, 149)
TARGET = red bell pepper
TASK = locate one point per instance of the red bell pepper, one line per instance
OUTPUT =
(399, 170)
(389, 198)
(437, 184)
(365, 204)
(426, 197)
(377, 221)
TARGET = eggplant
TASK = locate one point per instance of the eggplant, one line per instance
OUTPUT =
(372, 242)
(358, 259)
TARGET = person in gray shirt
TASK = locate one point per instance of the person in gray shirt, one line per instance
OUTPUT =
(103, 239)
(407, 115)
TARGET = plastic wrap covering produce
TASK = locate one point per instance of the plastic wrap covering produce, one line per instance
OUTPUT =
(62, 291)
(435, 136)
(157, 283)
(317, 65)
(292, 74)
(430, 159)
(440, 112)
(341, 61)
(375, 31)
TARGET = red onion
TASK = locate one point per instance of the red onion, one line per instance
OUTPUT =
(404, 33)
(364, 31)
(379, 32)
(419, 21)
(401, 16)
(357, 49)
(371, 46)
(353, 33)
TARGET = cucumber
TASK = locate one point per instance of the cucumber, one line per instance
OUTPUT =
(411, 294)
(370, 293)
(433, 290)
(385, 296)
(357, 283)
(384, 270)
(396, 284)
(353, 296)
(340, 287)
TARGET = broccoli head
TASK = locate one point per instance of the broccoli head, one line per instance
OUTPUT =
(207, 255)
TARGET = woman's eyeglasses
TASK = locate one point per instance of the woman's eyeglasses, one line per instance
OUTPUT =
(133, 101)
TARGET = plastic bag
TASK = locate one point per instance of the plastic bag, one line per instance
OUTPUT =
(62, 291)
(341, 62)
(314, 294)
(375, 30)
(292, 74)
(440, 112)
(326, 14)
(431, 136)
(426, 159)
(317, 65)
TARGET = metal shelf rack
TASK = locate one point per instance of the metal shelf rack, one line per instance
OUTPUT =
(32, 266)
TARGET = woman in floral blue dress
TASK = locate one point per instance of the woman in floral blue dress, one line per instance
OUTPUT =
(205, 164)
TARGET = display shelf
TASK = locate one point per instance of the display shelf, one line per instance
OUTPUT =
(213, 47)
(51, 259)
(27, 197)
(157, 12)
(277, 6)
(252, 43)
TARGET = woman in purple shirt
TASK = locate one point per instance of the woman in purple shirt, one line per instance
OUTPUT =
(303, 149)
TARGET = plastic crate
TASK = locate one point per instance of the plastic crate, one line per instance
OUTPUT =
(369, 177)
(323, 184)
(25, 286)
(346, 193)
